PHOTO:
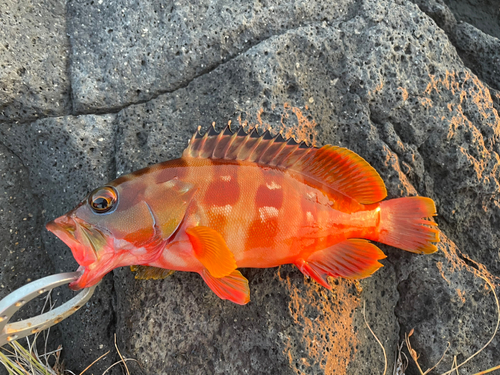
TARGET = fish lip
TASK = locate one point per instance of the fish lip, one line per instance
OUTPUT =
(93, 274)
(60, 229)
(74, 235)
(85, 231)
(87, 279)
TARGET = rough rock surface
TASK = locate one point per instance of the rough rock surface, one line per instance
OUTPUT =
(34, 55)
(135, 50)
(410, 86)
(23, 259)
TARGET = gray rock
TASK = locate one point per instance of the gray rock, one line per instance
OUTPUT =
(33, 60)
(439, 12)
(456, 308)
(478, 50)
(483, 14)
(380, 77)
(135, 50)
(481, 51)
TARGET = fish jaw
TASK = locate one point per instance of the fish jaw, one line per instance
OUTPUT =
(94, 263)
(91, 275)
(66, 229)
(97, 251)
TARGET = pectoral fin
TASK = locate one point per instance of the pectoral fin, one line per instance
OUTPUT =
(148, 272)
(233, 287)
(211, 250)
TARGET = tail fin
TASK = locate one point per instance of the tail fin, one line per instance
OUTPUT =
(402, 224)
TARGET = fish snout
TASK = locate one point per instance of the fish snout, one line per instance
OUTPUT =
(61, 223)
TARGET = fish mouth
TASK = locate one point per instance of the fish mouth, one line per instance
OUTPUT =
(82, 241)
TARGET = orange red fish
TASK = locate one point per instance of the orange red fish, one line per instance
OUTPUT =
(237, 200)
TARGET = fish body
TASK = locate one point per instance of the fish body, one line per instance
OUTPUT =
(238, 200)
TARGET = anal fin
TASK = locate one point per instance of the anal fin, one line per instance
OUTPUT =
(350, 259)
(148, 272)
(233, 287)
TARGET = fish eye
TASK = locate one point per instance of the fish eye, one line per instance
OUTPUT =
(102, 200)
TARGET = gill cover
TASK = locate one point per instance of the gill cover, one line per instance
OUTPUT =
(169, 201)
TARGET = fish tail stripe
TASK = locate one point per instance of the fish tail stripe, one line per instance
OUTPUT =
(402, 224)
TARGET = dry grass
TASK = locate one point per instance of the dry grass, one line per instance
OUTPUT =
(455, 365)
(376, 338)
(19, 360)
(401, 361)
(26, 360)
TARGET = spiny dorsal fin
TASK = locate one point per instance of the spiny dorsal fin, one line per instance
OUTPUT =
(339, 168)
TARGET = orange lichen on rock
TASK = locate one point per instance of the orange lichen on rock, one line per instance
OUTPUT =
(303, 129)
(469, 89)
(300, 126)
(259, 117)
(461, 295)
(326, 319)
(456, 263)
(449, 82)
(404, 93)
(466, 94)
(440, 267)
(426, 102)
(377, 89)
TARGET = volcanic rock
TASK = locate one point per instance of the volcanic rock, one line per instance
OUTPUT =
(410, 86)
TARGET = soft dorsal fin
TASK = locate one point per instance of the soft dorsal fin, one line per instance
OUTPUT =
(339, 168)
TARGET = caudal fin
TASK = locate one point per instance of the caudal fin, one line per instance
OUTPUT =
(402, 224)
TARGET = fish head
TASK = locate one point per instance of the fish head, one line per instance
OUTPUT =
(126, 222)
(112, 227)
